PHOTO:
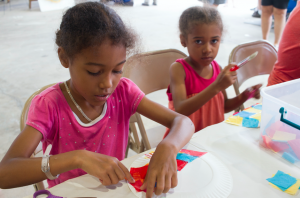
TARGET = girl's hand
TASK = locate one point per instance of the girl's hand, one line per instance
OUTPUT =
(225, 78)
(162, 171)
(253, 92)
(108, 169)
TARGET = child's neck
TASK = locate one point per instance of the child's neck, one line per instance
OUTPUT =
(92, 112)
(205, 71)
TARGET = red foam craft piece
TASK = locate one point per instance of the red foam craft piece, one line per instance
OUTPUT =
(181, 164)
(193, 153)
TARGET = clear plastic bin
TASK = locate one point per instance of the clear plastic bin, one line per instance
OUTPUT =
(280, 121)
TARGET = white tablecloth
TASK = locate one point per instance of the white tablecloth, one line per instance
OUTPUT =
(237, 147)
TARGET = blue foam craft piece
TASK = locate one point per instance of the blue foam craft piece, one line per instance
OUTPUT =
(244, 114)
(250, 122)
(282, 180)
(289, 157)
(186, 157)
(259, 107)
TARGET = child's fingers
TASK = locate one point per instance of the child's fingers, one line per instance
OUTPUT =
(174, 180)
(257, 86)
(105, 179)
(167, 184)
(119, 172)
(150, 185)
(144, 185)
(126, 172)
(160, 185)
(113, 177)
(228, 67)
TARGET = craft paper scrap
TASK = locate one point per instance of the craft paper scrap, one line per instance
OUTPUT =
(244, 114)
(282, 180)
(283, 136)
(139, 173)
(181, 164)
(250, 123)
(186, 157)
(256, 116)
(183, 158)
(257, 107)
(252, 110)
(137, 185)
(289, 157)
(275, 146)
(295, 145)
(235, 120)
(291, 190)
(193, 153)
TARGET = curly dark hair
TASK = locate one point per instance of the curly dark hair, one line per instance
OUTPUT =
(199, 15)
(88, 25)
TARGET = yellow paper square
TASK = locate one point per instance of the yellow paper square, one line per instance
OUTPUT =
(252, 110)
(235, 120)
(256, 116)
(291, 190)
(283, 136)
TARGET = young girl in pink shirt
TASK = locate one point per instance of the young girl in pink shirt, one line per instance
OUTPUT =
(198, 84)
(86, 118)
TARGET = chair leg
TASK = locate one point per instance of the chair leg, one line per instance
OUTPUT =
(142, 147)
(39, 186)
(29, 4)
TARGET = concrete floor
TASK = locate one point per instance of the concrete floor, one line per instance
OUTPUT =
(28, 59)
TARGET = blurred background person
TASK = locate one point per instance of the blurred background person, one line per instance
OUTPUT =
(278, 8)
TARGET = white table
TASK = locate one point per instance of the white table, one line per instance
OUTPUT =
(237, 147)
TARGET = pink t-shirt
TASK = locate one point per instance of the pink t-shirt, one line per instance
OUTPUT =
(51, 115)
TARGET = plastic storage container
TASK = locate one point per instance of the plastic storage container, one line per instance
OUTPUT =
(280, 121)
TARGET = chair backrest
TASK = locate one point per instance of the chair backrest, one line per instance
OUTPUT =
(23, 118)
(262, 64)
(150, 72)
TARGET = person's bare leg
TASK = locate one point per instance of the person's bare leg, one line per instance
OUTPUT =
(259, 5)
(266, 20)
(279, 23)
(215, 5)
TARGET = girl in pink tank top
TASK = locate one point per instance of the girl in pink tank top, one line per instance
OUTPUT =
(198, 83)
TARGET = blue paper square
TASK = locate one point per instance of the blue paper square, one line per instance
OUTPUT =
(186, 157)
(250, 122)
(282, 180)
(244, 114)
(259, 107)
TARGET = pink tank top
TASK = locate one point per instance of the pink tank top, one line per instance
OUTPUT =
(211, 112)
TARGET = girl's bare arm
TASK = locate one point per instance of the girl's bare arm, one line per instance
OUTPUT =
(187, 106)
(18, 169)
(163, 168)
